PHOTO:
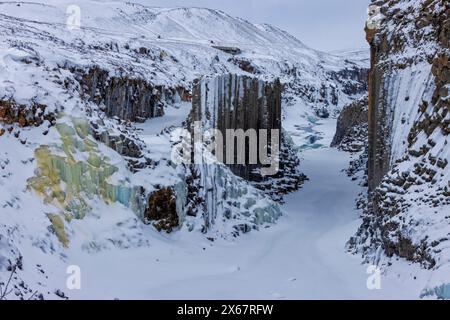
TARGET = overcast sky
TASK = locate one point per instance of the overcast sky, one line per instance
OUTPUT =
(321, 24)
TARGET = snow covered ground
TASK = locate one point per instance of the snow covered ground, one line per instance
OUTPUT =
(302, 257)
(174, 115)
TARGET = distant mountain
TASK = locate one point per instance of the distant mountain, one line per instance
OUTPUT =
(173, 46)
(357, 55)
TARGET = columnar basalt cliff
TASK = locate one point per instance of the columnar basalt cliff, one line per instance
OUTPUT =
(351, 131)
(409, 118)
(214, 193)
(239, 103)
(128, 99)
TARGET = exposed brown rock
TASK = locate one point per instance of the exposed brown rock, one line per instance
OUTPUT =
(162, 211)
(24, 116)
(244, 65)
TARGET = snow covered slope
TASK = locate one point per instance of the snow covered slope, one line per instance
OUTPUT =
(172, 47)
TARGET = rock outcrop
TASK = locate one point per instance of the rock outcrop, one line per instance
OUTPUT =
(126, 98)
(90, 171)
(162, 210)
(351, 131)
(216, 192)
(25, 116)
(328, 96)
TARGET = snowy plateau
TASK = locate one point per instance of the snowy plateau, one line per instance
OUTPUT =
(92, 205)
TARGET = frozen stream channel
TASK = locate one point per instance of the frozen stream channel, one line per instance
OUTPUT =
(302, 257)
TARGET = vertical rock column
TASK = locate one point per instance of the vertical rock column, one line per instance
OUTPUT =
(379, 153)
(237, 102)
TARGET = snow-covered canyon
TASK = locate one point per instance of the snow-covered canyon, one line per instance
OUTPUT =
(303, 256)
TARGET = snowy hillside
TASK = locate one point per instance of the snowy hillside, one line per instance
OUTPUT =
(172, 47)
(361, 56)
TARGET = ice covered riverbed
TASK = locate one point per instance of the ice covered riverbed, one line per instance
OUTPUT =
(302, 257)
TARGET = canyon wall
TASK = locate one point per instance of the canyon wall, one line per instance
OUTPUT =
(409, 118)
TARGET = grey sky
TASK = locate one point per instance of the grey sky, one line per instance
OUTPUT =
(321, 24)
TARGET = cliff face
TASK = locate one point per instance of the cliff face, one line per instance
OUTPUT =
(408, 172)
(128, 99)
(252, 107)
(395, 66)
(351, 131)
(233, 102)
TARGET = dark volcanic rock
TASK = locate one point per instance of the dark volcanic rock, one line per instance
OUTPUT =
(239, 102)
(128, 99)
(25, 116)
(351, 131)
(162, 210)
(249, 104)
